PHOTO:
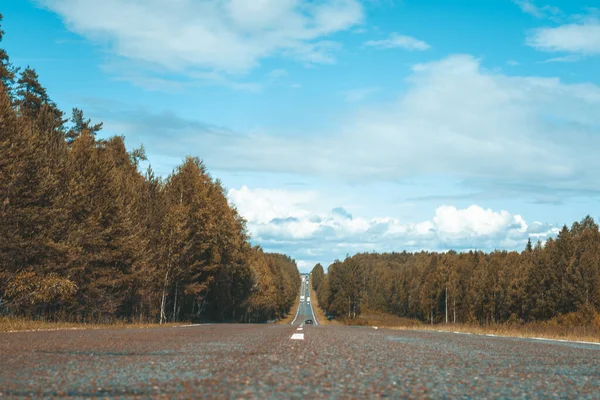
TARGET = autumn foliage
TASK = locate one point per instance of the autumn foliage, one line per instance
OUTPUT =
(86, 236)
(557, 283)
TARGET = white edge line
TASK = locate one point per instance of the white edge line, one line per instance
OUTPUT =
(515, 337)
(311, 307)
(298, 309)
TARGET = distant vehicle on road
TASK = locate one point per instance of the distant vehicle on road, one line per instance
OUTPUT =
(308, 322)
(301, 297)
(308, 299)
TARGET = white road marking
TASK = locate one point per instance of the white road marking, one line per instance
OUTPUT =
(305, 291)
(563, 340)
(297, 336)
(299, 329)
(312, 311)
(186, 326)
(517, 337)
(297, 311)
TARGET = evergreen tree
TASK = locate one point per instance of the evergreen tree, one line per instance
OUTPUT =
(81, 125)
(7, 70)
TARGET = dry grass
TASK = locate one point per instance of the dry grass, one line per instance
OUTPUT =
(292, 314)
(546, 330)
(319, 314)
(580, 333)
(382, 320)
(14, 324)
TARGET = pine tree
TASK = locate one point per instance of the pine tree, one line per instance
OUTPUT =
(7, 70)
(31, 95)
(81, 125)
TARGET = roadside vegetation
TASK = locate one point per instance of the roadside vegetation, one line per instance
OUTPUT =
(21, 324)
(289, 318)
(319, 313)
(87, 237)
(571, 327)
(550, 289)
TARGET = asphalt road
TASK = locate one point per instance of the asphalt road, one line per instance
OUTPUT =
(305, 310)
(262, 361)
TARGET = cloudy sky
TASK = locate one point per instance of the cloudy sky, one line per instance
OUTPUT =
(344, 126)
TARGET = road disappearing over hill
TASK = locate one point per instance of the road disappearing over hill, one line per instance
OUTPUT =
(263, 361)
(305, 310)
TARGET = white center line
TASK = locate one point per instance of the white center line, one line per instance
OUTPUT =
(297, 336)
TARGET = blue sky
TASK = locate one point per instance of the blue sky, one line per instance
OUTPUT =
(342, 126)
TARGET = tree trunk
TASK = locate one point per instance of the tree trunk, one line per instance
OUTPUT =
(164, 298)
(446, 304)
(175, 302)
(454, 308)
(349, 308)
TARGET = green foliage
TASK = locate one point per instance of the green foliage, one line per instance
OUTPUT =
(98, 240)
(559, 281)
(81, 125)
(276, 284)
(28, 289)
(317, 275)
(7, 71)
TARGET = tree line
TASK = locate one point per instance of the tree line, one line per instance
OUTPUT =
(543, 282)
(86, 236)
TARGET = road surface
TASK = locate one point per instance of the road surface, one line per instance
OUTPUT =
(305, 310)
(263, 361)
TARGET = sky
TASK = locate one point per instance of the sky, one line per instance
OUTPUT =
(345, 126)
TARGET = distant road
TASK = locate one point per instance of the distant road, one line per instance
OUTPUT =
(262, 361)
(305, 310)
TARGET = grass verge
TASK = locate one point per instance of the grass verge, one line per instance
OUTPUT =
(319, 314)
(546, 330)
(292, 314)
(14, 324)
(580, 333)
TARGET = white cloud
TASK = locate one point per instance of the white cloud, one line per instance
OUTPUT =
(277, 74)
(580, 38)
(264, 205)
(530, 8)
(502, 135)
(221, 35)
(356, 95)
(399, 41)
(288, 221)
(475, 221)
(305, 266)
(565, 59)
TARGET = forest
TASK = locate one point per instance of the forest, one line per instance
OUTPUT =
(555, 280)
(85, 235)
